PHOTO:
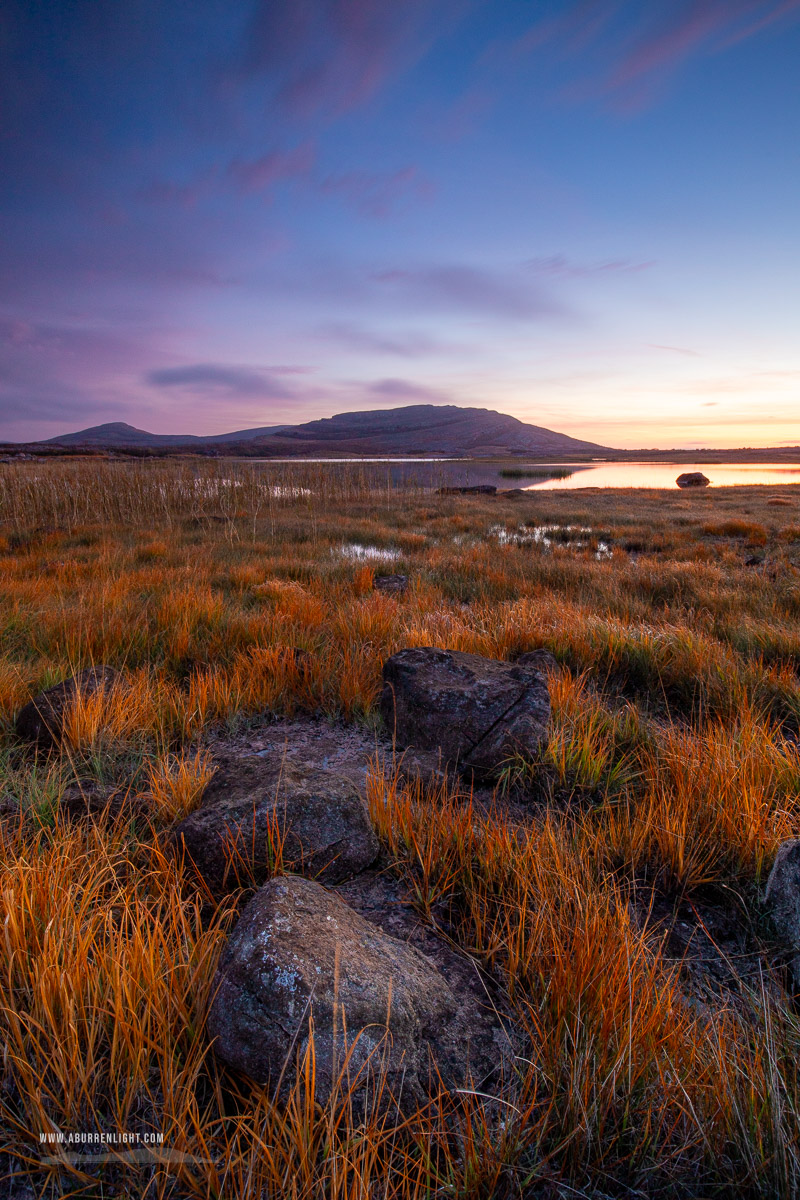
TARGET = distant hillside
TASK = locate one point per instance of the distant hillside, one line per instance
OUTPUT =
(118, 435)
(432, 429)
(416, 429)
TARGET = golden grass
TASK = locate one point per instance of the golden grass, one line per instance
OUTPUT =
(672, 768)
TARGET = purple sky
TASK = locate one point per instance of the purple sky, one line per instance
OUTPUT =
(218, 214)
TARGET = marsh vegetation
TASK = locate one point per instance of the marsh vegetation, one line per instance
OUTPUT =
(609, 892)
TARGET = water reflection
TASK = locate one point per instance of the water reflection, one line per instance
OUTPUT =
(514, 473)
(663, 475)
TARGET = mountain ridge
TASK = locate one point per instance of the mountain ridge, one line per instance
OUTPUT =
(411, 429)
(120, 433)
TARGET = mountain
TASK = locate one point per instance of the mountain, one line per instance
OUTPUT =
(417, 429)
(118, 435)
(427, 429)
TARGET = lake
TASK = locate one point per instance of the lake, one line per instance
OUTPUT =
(516, 473)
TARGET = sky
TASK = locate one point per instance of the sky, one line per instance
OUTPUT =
(218, 214)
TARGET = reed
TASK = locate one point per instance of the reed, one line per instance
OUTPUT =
(671, 775)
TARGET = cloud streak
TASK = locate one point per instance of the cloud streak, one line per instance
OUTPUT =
(467, 289)
(336, 54)
(410, 344)
(624, 50)
(217, 379)
(379, 194)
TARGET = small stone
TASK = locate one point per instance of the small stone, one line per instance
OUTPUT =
(393, 585)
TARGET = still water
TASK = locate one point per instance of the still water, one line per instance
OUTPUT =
(516, 473)
(663, 475)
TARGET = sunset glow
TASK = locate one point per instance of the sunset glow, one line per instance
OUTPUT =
(584, 214)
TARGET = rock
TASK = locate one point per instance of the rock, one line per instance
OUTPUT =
(538, 660)
(782, 898)
(9, 806)
(42, 718)
(692, 479)
(478, 711)
(478, 489)
(88, 798)
(394, 585)
(299, 951)
(327, 833)
(424, 767)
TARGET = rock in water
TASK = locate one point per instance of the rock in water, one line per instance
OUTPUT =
(300, 952)
(477, 711)
(691, 479)
(782, 898)
(324, 823)
(42, 718)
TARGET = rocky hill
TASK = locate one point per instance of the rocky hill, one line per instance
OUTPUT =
(417, 429)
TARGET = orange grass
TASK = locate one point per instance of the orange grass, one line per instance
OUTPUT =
(222, 593)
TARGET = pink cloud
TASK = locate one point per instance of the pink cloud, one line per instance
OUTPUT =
(455, 287)
(633, 47)
(777, 14)
(333, 55)
(670, 46)
(377, 194)
(260, 174)
(560, 265)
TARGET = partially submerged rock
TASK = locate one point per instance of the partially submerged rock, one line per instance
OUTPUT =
(300, 954)
(42, 719)
(252, 805)
(478, 711)
(782, 899)
(692, 479)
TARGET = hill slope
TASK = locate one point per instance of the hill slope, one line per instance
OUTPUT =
(415, 429)
(432, 429)
(117, 434)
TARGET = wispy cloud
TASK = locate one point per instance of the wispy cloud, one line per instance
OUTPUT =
(625, 50)
(219, 379)
(262, 173)
(675, 349)
(333, 55)
(561, 266)
(700, 24)
(410, 344)
(378, 194)
(404, 391)
(469, 289)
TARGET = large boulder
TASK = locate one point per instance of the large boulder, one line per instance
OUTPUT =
(252, 803)
(782, 899)
(477, 711)
(692, 479)
(300, 954)
(41, 720)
